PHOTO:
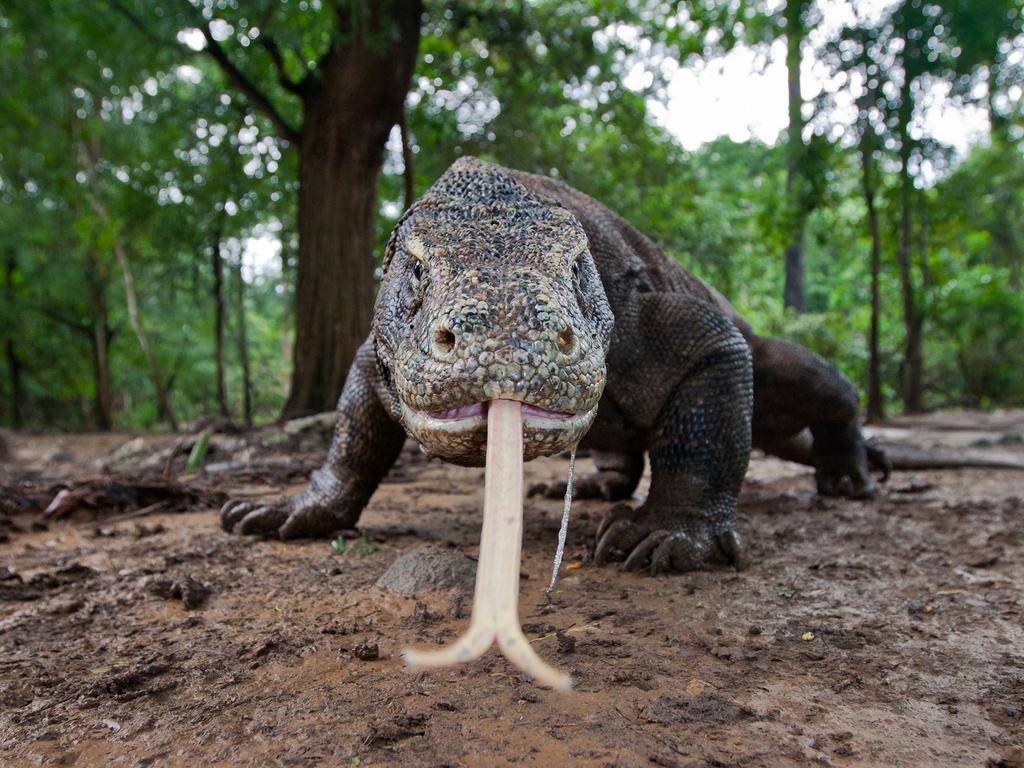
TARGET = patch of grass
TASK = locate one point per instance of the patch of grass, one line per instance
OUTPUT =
(363, 546)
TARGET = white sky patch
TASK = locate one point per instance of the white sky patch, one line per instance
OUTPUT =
(193, 38)
(740, 96)
(730, 96)
(261, 258)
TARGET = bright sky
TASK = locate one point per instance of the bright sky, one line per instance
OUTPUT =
(743, 95)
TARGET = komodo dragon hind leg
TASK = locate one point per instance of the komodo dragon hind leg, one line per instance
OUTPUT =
(818, 406)
(617, 476)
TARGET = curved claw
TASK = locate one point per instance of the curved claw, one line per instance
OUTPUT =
(232, 513)
(302, 516)
(263, 521)
(732, 549)
(878, 460)
(618, 512)
(618, 541)
(640, 557)
(680, 552)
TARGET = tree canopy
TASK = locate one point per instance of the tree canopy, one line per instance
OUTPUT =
(174, 173)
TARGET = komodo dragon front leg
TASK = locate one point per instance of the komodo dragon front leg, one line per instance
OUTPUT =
(692, 384)
(366, 443)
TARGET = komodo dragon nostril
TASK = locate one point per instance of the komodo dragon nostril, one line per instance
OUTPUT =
(567, 341)
(443, 341)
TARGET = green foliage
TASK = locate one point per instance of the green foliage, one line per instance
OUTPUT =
(980, 320)
(183, 161)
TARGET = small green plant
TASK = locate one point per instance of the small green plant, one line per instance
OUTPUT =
(363, 546)
(198, 453)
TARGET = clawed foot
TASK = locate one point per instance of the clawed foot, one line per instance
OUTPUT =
(844, 476)
(290, 517)
(663, 541)
(610, 486)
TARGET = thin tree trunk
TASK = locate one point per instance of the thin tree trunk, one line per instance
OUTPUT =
(216, 264)
(999, 124)
(243, 344)
(796, 182)
(876, 404)
(912, 362)
(100, 342)
(134, 316)
(89, 154)
(924, 263)
(14, 366)
(347, 119)
(408, 170)
(287, 287)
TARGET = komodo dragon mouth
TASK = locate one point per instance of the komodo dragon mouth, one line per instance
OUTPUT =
(479, 410)
(459, 434)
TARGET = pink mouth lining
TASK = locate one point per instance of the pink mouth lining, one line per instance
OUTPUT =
(480, 409)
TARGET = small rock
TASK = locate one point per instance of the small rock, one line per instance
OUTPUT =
(366, 651)
(566, 643)
(130, 449)
(428, 568)
(191, 592)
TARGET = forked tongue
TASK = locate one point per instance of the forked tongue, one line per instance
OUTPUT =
(496, 599)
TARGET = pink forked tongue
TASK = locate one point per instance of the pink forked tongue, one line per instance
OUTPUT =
(496, 600)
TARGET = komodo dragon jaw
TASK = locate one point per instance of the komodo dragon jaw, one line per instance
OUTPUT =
(490, 292)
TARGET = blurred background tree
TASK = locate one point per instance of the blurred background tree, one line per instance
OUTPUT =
(194, 194)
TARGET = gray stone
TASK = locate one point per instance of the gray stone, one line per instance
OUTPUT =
(428, 568)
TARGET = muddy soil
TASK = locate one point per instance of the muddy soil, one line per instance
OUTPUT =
(883, 632)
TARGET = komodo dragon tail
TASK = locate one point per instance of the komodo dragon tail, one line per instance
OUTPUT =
(885, 457)
(912, 457)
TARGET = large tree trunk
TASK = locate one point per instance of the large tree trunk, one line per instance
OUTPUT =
(876, 404)
(243, 344)
(14, 388)
(100, 342)
(796, 182)
(347, 118)
(216, 263)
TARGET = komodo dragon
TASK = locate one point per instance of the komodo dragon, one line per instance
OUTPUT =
(504, 284)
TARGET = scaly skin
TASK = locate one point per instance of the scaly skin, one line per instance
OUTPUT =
(503, 284)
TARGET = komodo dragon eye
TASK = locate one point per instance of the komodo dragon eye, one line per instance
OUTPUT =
(417, 269)
(576, 269)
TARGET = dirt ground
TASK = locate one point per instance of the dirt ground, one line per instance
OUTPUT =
(885, 632)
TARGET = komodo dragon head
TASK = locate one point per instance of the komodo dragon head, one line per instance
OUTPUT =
(489, 291)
